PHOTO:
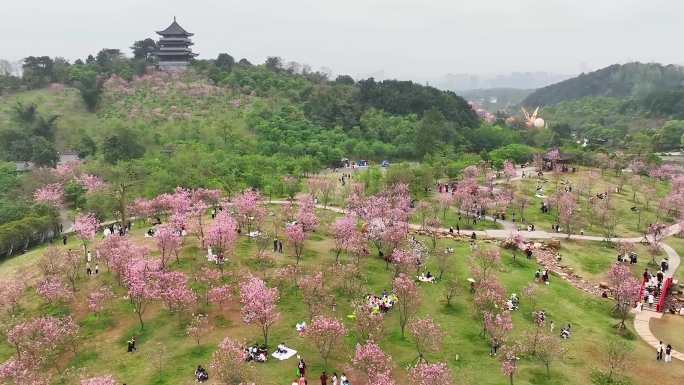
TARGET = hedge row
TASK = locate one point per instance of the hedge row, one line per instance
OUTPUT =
(19, 235)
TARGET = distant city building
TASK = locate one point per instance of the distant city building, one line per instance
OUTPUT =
(174, 52)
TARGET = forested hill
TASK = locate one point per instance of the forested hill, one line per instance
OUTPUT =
(631, 80)
(285, 112)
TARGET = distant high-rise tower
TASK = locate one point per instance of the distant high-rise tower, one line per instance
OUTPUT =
(174, 51)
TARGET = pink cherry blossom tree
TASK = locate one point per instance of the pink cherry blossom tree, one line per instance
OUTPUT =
(509, 170)
(12, 291)
(53, 290)
(210, 278)
(229, 363)
(369, 324)
(169, 242)
(99, 298)
(143, 208)
(567, 211)
(445, 201)
(430, 374)
(403, 261)
(92, 183)
(296, 236)
(306, 216)
(51, 261)
(625, 289)
(409, 299)
(484, 261)
(39, 341)
(201, 199)
(20, 372)
(509, 361)
(249, 211)
(314, 293)
(66, 171)
(141, 289)
(490, 298)
(427, 335)
(498, 326)
(259, 304)
(370, 360)
(173, 290)
(219, 295)
(325, 333)
(345, 232)
(51, 195)
(102, 380)
(198, 327)
(222, 235)
(70, 267)
(386, 217)
(86, 227)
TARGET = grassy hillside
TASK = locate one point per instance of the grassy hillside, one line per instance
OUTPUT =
(166, 355)
(74, 120)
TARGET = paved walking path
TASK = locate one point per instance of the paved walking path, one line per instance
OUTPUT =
(641, 320)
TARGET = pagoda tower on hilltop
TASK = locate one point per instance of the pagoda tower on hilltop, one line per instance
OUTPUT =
(174, 52)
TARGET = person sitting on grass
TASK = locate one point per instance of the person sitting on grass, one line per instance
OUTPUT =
(131, 345)
(201, 374)
(281, 349)
(565, 332)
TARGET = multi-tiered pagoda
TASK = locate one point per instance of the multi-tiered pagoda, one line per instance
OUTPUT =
(174, 51)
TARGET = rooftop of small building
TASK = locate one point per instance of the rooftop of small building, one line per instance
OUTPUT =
(174, 30)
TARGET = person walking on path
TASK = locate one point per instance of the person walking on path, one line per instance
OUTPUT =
(668, 353)
(659, 350)
(324, 378)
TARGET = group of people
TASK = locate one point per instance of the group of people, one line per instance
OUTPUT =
(381, 304)
(664, 353)
(653, 284)
(344, 178)
(542, 276)
(257, 353)
(117, 229)
(89, 269)
(334, 380)
(632, 257)
(513, 303)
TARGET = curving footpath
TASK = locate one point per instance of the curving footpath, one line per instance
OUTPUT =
(641, 319)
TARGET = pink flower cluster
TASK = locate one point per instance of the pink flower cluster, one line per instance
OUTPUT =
(51, 194)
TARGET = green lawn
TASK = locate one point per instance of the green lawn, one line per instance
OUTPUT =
(102, 349)
(627, 221)
(593, 260)
(678, 245)
(669, 330)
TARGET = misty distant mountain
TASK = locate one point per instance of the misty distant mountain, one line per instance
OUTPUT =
(630, 80)
(519, 80)
(496, 99)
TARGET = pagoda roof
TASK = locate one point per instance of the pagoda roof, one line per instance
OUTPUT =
(174, 29)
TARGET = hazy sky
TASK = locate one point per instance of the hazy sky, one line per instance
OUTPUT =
(415, 39)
